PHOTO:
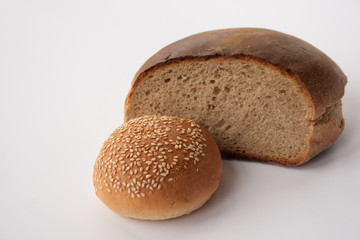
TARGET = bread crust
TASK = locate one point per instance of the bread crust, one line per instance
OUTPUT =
(320, 78)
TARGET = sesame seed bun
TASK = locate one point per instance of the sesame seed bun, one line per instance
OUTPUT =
(157, 167)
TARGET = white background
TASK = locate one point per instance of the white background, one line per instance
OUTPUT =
(65, 69)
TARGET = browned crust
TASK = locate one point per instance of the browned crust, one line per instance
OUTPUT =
(191, 189)
(321, 76)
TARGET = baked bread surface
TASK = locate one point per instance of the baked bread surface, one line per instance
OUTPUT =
(157, 167)
(249, 60)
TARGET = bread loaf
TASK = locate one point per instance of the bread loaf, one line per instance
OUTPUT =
(157, 168)
(261, 93)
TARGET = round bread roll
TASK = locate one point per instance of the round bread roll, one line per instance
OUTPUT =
(157, 167)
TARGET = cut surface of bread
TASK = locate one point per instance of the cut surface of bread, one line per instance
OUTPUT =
(252, 107)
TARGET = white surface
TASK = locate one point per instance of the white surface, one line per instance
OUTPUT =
(65, 69)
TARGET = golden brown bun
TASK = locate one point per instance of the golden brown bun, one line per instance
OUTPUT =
(157, 167)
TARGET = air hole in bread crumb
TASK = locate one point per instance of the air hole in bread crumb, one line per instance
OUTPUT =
(216, 91)
(227, 127)
(227, 89)
(167, 80)
(219, 123)
(210, 107)
(282, 91)
(212, 81)
(147, 92)
(213, 98)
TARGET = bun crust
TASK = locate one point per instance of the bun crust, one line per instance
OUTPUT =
(157, 168)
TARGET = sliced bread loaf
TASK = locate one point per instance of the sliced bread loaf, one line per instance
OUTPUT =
(261, 93)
